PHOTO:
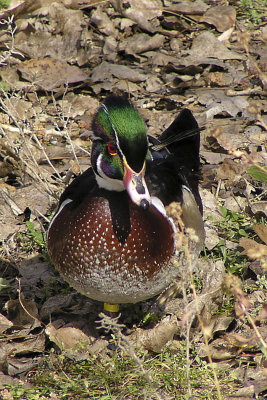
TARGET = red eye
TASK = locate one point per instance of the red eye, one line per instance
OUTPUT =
(112, 149)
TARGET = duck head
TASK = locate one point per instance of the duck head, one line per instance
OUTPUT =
(120, 149)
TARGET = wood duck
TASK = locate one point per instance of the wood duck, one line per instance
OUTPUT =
(114, 237)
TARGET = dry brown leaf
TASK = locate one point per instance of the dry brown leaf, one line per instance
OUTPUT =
(206, 45)
(222, 17)
(261, 231)
(230, 169)
(24, 7)
(252, 249)
(103, 23)
(256, 267)
(240, 341)
(62, 36)
(6, 380)
(158, 58)
(4, 323)
(231, 344)
(110, 48)
(55, 303)
(33, 270)
(154, 339)
(20, 351)
(21, 365)
(30, 344)
(219, 323)
(24, 314)
(211, 209)
(218, 349)
(140, 43)
(144, 13)
(263, 313)
(74, 342)
(50, 74)
(219, 79)
(13, 203)
(105, 71)
(67, 338)
(187, 7)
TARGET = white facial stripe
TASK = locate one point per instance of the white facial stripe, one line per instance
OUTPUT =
(113, 128)
(98, 165)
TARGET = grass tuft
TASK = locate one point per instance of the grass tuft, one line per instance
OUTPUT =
(118, 377)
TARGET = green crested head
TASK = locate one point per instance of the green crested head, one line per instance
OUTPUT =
(120, 149)
(119, 122)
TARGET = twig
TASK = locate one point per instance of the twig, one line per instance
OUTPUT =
(203, 330)
(24, 308)
(46, 156)
(264, 345)
(10, 48)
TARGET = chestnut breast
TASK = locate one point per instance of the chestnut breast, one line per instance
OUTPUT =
(106, 235)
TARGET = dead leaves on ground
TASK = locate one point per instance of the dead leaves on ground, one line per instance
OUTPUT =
(62, 59)
(255, 250)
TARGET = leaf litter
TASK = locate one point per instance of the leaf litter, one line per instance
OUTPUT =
(59, 62)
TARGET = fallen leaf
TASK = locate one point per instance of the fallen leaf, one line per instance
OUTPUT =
(259, 173)
(261, 231)
(21, 365)
(62, 35)
(219, 349)
(50, 74)
(222, 17)
(188, 7)
(252, 249)
(259, 207)
(206, 45)
(11, 205)
(24, 7)
(144, 13)
(6, 380)
(103, 23)
(211, 236)
(155, 339)
(241, 341)
(22, 313)
(140, 43)
(211, 205)
(219, 323)
(74, 343)
(230, 169)
(21, 351)
(4, 323)
(105, 71)
(54, 304)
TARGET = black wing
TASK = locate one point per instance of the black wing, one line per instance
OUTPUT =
(79, 187)
(176, 159)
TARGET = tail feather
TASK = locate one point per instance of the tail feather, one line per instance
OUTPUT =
(177, 150)
(182, 139)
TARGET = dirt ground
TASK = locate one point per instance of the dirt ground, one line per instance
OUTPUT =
(58, 61)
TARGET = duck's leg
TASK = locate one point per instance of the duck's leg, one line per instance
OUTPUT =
(111, 308)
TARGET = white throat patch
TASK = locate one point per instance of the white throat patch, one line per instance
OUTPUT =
(106, 182)
(109, 183)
